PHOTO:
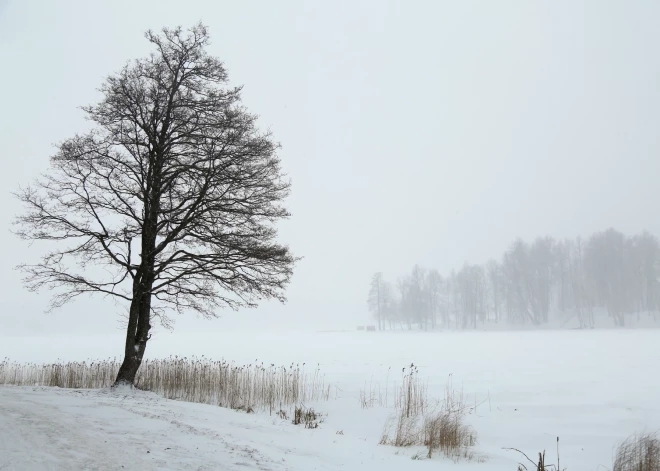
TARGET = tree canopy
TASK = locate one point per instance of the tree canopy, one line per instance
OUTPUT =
(169, 202)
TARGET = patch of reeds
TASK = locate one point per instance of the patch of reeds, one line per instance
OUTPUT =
(201, 380)
(437, 425)
(638, 453)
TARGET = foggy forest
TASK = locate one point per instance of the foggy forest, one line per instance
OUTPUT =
(607, 277)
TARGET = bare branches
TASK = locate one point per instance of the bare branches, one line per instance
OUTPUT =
(173, 195)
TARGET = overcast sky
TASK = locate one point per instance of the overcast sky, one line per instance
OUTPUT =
(429, 132)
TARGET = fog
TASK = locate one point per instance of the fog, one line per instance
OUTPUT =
(430, 134)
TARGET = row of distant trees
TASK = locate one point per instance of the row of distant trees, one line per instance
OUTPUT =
(564, 281)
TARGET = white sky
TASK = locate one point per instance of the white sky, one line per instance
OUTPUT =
(430, 132)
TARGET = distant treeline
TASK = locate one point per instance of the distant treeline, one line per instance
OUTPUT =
(563, 281)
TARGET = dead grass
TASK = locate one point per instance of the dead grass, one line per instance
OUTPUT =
(445, 432)
(411, 398)
(402, 431)
(308, 417)
(638, 453)
(418, 422)
(371, 395)
(410, 394)
(226, 384)
(537, 465)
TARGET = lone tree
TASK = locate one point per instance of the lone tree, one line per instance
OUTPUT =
(169, 203)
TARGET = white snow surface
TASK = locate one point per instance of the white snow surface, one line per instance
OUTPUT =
(590, 388)
(58, 429)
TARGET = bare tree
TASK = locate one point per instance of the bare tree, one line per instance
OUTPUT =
(433, 289)
(169, 203)
(494, 280)
(378, 298)
(605, 262)
(405, 304)
(541, 282)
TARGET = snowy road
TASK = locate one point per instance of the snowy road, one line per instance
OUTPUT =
(58, 429)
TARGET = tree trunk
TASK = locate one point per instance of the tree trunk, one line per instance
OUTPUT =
(137, 335)
(137, 332)
(128, 369)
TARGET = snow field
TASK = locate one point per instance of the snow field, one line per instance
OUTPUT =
(591, 389)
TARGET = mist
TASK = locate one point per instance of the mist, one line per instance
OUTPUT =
(302, 235)
(433, 135)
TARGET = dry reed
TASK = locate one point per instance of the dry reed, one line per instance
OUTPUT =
(201, 380)
(638, 453)
(418, 421)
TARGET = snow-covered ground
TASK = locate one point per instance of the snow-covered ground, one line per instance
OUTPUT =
(589, 388)
(58, 429)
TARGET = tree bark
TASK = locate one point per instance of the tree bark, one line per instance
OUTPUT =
(137, 335)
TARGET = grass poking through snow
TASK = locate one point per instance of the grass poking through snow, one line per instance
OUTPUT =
(419, 422)
(201, 380)
(638, 453)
